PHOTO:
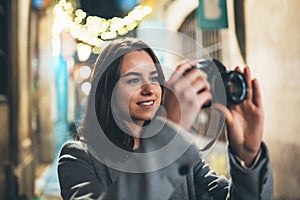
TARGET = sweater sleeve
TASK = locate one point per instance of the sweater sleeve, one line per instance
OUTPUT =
(208, 185)
(77, 177)
(245, 184)
(255, 183)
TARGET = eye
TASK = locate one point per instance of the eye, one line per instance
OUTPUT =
(133, 81)
(154, 79)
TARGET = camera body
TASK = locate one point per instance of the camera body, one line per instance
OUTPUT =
(227, 87)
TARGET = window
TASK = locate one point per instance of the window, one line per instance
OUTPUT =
(209, 39)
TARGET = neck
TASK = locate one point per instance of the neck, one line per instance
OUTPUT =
(135, 130)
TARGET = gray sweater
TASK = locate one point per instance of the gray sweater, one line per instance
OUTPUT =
(82, 175)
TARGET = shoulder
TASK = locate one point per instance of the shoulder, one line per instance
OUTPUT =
(72, 145)
(74, 150)
(77, 172)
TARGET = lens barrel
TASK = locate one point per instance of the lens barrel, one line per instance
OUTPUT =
(227, 87)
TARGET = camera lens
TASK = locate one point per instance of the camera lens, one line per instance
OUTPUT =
(235, 86)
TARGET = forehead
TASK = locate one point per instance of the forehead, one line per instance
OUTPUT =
(139, 61)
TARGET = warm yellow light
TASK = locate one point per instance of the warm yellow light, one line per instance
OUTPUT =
(131, 26)
(122, 31)
(113, 27)
(128, 19)
(147, 10)
(78, 12)
(108, 35)
(96, 50)
(82, 15)
(77, 20)
(68, 6)
(83, 51)
(93, 30)
(137, 14)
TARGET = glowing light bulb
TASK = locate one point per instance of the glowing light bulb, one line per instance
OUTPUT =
(85, 72)
(147, 10)
(86, 88)
(83, 51)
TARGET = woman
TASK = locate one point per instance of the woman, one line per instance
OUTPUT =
(140, 114)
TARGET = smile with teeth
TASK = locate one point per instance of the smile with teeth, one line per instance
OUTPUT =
(146, 103)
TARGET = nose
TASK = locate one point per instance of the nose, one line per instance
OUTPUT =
(147, 89)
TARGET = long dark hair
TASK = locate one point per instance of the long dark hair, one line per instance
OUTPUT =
(107, 68)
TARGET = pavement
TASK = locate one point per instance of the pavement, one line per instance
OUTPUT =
(47, 186)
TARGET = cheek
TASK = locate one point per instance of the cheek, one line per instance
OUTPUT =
(158, 93)
(122, 98)
(125, 99)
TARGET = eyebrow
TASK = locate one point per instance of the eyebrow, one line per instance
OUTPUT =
(138, 74)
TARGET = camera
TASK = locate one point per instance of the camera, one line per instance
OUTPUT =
(227, 87)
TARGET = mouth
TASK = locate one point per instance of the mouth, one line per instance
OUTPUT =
(146, 103)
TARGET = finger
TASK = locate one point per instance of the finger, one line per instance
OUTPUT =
(193, 85)
(200, 85)
(224, 110)
(247, 75)
(203, 98)
(238, 69)
(179, 71)
(257, 98)
(195, 74)
(201, 73)
(197, 80)
(182, 68)
(191, 79)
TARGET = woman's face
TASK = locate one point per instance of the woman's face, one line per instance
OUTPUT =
(138, 91)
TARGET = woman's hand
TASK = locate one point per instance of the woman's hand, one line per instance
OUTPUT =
(245, 122)
(186, 92)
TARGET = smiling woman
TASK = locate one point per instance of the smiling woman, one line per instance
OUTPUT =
(135, 141)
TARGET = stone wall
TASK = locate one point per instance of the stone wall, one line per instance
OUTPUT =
(273, 46)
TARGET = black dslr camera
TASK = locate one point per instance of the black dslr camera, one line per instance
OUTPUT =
(227, 87)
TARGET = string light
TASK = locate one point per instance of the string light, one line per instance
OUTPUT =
(92, 30)
(83, 51)
(85, 72)
(86, 88)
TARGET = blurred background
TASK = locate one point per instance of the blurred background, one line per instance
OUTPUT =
(47, 51)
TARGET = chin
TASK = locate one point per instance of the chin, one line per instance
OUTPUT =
(147, 118)
(143, 118)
